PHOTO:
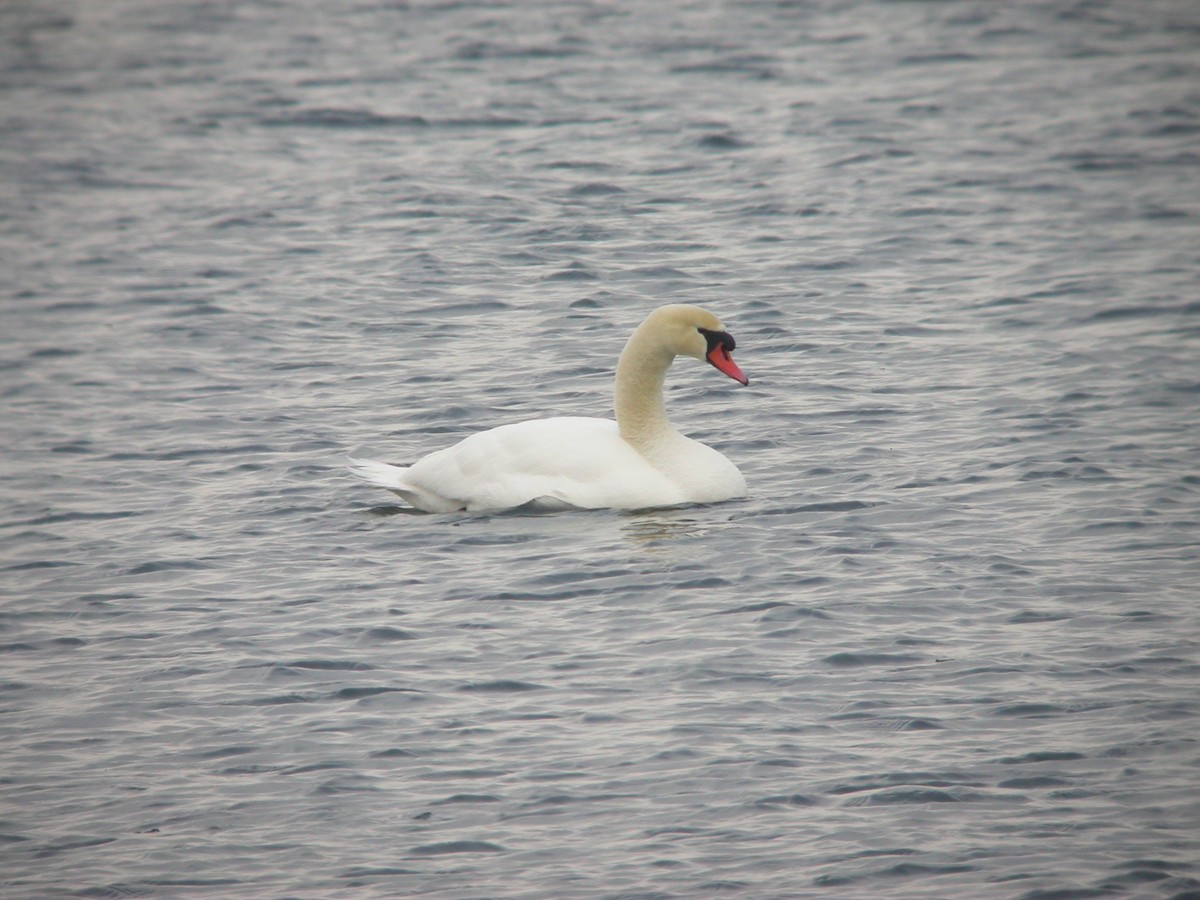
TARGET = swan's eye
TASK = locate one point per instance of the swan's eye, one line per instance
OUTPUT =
(718, 339)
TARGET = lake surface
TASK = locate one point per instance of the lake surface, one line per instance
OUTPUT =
(949, 646)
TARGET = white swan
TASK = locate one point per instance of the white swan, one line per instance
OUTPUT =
(638, 461)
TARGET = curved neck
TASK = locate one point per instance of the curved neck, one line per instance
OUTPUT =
(638, 393)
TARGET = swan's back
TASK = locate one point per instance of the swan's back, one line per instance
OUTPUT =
(561, 462)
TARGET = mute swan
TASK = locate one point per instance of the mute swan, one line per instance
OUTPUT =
(636, 462)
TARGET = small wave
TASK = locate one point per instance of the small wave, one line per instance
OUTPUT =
(333, 117)
(449, 847)
(721, 141)
(502, 686)
(855, 660)
(913, 795)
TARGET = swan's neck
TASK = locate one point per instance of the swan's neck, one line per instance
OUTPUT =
(638, 394)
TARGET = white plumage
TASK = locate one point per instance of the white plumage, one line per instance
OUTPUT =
(638, 461)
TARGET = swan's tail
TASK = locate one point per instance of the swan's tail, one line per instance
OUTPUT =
(379, 474)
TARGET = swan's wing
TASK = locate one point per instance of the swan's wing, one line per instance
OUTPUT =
(556, 463)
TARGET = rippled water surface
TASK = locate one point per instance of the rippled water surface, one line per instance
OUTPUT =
(948, 647)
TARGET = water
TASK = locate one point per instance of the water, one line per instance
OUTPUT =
(947, 647)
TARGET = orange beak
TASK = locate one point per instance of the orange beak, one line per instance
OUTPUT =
(720, 358)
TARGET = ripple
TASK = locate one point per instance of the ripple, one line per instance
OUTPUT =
(856, 660)
(502, 686)
(451, 847)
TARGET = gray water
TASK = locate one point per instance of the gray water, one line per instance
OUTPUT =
(948, 646)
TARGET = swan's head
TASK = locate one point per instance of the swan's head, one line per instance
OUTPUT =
(695, 332)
